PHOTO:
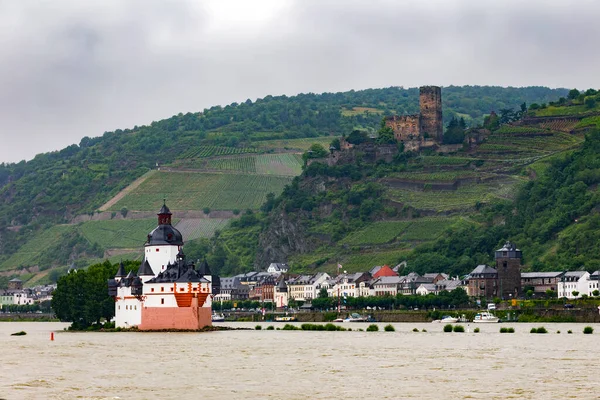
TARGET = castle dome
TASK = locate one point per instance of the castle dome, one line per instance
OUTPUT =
(164, 233)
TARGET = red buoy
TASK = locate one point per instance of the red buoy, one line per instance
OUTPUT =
(51, 335)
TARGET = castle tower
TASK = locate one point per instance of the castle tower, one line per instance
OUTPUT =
(430, 101)
(508, 265)
(163, 244)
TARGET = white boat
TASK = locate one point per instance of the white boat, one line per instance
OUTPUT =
(218, 317)
(485, 317)
(356, 318)
(287, 318)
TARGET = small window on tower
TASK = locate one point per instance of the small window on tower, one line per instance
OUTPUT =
(162, 301)
(157, 250)
(162, 289)
(152, 289)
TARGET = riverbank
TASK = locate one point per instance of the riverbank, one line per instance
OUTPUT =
(28, 317)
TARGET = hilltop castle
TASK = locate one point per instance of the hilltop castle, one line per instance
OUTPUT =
(414, 130)
(167, 292)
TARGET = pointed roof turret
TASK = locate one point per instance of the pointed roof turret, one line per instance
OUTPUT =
(145, 269)
(130, 275)
(164, 214)
(204, 269)
(281, 286)
(120, 271)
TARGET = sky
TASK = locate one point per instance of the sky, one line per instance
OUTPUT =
(70, 69)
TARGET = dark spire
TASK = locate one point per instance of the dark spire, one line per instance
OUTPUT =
(121, 271)
(145, 269)
(164, 215)
(204, 269)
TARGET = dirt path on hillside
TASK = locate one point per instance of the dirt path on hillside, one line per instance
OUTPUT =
(128, 189)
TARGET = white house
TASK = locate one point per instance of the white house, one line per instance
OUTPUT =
(277, 268)
(574, 281)
(386, 285)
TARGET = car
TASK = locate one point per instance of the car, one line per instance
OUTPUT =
(491, 306)
(567, 305)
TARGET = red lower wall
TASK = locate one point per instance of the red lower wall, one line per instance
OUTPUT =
(157, 318)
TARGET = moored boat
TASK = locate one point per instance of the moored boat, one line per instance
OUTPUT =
(218, 317)
(485, 317)
(286, 318)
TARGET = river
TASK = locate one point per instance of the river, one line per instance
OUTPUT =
(265, 364)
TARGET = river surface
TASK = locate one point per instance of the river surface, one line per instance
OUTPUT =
(251, 364)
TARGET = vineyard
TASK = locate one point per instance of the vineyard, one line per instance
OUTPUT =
(195, 228)
(464, 198)
(427, 229)
(29, 253)
(364, 261)
(511, 129)
(210, 151)
(286, 164)
(115, 234)
(196, 191)
(431, 161)
(302, 144)
(556, 142)
(562, 125)
(377, 233)
(438, 176)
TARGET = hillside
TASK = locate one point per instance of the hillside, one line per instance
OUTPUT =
(223, 160)
(533, 180)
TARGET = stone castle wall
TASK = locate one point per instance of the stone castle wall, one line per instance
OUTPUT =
(405, 127)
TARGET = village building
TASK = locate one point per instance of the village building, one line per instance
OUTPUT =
(574, 284)
(483, 282)
(540, 282)
(508, 267)
(166, 292)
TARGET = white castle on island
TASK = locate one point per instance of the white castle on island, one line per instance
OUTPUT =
(167, 292)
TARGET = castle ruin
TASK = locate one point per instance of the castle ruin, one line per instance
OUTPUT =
(415, 130)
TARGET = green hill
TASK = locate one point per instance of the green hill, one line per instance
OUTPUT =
(229, 158)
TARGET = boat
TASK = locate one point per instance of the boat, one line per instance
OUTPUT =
(358, 318)
(485, 317)
(286, 318)
(218, 317)
(338, 320)
(447, 319)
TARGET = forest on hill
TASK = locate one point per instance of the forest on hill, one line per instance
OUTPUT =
(55, 187)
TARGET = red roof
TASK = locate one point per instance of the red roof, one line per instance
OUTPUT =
(384, 271)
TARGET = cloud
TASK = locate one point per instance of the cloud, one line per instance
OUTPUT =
(74, 69)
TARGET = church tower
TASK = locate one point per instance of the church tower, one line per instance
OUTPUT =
(430, 101)
(163, 244)
(508, 265)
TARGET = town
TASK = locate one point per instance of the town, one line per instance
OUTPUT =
(506, 281)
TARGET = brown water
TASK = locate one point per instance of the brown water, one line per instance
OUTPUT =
(300, 365)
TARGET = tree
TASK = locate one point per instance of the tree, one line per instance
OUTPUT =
(573, 94)
(455, 131)
(335, 143)
(315, 151)
(590, 102)
(323, 293)
(575, 293)
(82, 297)
(596, 293)
(357, 137)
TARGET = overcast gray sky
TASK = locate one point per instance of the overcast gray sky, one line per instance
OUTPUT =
(77, 68)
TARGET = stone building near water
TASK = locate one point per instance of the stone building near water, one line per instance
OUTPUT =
(415, 130)
(508, 265)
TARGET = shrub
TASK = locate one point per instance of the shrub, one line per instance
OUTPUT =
(511, 330)
(389, 328)
(503, 330)
(476, 330)
(541, 329)
(270, 328)
(372, 328)
(288, 327)
(424, 330)
(557, 331)
(459, 328)
(588, 330)
(569, 331)
(533, 330)
(415, 330)
(448, 328)
(258, 327)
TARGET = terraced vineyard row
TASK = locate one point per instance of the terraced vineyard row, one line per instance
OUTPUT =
(294, 144)
(510, 129)
(556, 142)
(438, 176)
(194, 228)
(286, 164)
(195, 191)
(465, 197)
(210, 151)
(29, 253)
(560, 125)
(377, 233)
